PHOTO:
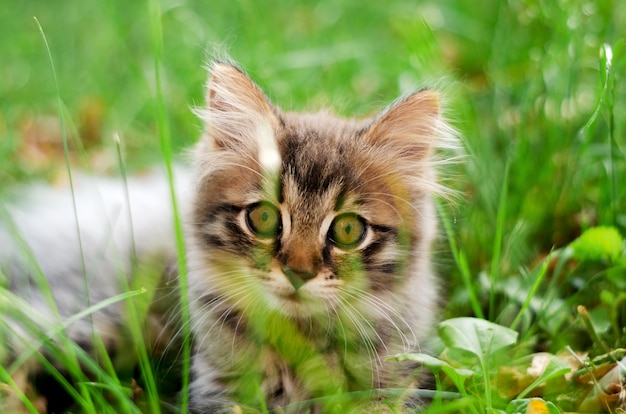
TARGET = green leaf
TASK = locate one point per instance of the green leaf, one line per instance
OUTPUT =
(598, 244)
(615, 275)
(476, 336)
(435, 365)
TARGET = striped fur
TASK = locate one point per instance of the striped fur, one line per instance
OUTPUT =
(255, 329)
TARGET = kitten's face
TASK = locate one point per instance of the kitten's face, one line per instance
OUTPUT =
(303, 213)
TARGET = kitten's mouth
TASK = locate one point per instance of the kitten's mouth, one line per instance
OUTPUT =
(295, 298)
(298, 304)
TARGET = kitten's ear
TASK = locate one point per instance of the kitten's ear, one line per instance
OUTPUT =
(410, 127)
(237, 111)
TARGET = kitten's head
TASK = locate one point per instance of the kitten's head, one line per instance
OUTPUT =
(304, 212)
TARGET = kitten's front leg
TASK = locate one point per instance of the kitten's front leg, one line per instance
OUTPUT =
(203, 401)
(208, 393)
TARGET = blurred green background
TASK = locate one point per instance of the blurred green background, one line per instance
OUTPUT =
(522, 79)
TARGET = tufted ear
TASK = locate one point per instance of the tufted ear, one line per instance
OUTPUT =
(238, 116)
(409, 127)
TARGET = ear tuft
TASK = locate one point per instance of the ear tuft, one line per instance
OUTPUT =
(237, 110)
(409, 127)
(230, 89)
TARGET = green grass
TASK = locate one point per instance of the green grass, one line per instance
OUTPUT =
(535, 88)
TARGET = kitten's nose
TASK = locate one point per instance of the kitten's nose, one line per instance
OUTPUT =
(300, 260)
(297, 277)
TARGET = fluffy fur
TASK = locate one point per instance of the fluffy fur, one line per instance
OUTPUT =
(349, 308)
(296, 317)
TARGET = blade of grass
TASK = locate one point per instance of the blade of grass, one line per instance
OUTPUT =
(90, 365)
(156, 36)
(461, 262)
(24, 308)
(136, 321)
(497, 242)
(32, 352)
(74, 366)
(584, 314)
(607, 63)
(585, 135)
(60, 349)
(538, 275)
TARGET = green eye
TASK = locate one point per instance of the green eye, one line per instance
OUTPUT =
(263, 219)
(347, 231)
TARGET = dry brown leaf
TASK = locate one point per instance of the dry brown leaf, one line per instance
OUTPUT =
(608, 392)
(41, 144)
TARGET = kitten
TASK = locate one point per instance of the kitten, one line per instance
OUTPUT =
(308, 247)
(308, 239)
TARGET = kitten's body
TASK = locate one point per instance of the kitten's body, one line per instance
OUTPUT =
(308, 240)
(80, 247)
